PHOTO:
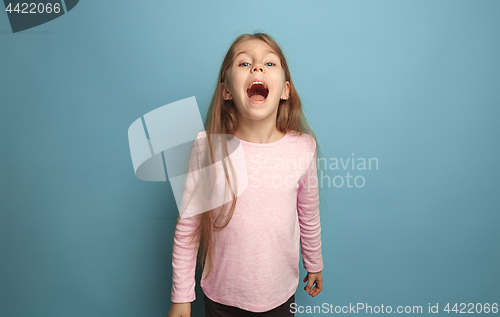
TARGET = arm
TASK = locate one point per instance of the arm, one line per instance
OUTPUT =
(183, 267)
(186, 243)
(310, 226)
(184, 260)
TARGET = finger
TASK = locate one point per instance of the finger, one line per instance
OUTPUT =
(309, 285)
(305, 279)
(320, 284)
(313, 291)
(317, 288)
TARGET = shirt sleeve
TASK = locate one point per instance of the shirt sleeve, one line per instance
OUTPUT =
(185, 251)
(184, 260)
(309, 219)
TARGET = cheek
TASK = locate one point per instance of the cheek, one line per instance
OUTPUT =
(236, 84)
(234, 88)
(280, 82)
(230, 84)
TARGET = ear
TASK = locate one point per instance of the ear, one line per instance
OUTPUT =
(226, 93)
(285, 94)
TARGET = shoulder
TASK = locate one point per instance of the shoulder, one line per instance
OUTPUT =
(198, 144)
(305, 141)
(201, 135)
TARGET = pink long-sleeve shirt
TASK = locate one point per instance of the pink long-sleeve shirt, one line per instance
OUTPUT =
(256, 258)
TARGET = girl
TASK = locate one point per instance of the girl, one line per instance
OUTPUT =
(250, 249)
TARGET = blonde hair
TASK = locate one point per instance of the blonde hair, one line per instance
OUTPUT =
(222, 119)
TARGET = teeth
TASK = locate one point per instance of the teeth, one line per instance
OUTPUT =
(257, 82)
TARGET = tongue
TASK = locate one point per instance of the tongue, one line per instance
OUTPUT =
(257, 97)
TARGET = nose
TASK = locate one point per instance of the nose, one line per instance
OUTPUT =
(257, 67)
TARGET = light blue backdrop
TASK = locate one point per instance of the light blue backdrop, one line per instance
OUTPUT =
(414, 84)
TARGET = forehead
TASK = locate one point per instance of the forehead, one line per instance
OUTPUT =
(253, 46)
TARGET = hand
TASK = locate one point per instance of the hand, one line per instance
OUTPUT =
(180, 310)
(310, 279)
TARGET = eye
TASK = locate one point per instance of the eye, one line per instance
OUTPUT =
(241, 64)
(272, 64)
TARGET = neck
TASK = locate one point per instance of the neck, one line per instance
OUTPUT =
(258, 131)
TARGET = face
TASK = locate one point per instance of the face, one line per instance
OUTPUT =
(256, 81)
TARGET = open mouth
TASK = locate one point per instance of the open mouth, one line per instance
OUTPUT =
(257, 91)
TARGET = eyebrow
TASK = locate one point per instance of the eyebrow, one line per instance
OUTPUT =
(244, 52)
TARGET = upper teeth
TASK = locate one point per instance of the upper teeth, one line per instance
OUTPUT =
(257, 82)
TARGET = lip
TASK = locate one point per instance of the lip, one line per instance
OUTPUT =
(250, 84)
(255, 80)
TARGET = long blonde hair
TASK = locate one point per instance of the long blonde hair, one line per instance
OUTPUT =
(222, 119)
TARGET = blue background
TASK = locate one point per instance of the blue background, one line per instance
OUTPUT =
(414, 84)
